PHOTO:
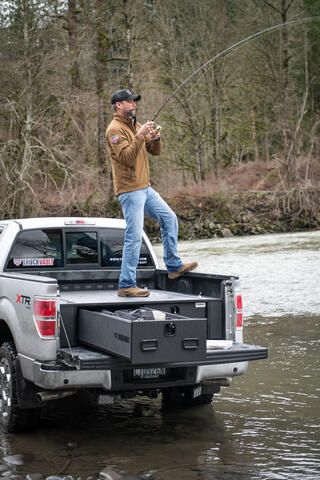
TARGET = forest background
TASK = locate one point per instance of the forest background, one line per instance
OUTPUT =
(242, 137)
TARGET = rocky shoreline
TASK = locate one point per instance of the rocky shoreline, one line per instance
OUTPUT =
(245, 214)
(220, 215)
(8, 470)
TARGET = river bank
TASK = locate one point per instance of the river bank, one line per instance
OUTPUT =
(249, 213)
(217, 215)
(222, 215)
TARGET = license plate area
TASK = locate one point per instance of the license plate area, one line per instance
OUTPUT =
(152, 373)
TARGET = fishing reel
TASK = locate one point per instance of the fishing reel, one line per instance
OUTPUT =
(155, 131)
(156, 128)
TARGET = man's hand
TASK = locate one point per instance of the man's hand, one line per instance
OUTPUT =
(145, 129)
(154, 134)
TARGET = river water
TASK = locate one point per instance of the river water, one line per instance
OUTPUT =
(266, 425)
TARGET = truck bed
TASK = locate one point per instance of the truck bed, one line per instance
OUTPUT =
(110, 297)
(183, 304)
(84, 331)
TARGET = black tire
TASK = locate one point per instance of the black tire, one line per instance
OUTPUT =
(203, 399)
(12, 418)
(174, 397)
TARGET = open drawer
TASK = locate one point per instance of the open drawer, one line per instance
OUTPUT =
(172, 338)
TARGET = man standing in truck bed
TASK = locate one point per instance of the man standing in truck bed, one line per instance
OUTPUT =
(128, 143)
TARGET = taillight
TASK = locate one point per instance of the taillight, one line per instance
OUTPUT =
(45, 316)
(239, 317)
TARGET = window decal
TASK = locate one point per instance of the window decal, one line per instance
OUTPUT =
(33, 262)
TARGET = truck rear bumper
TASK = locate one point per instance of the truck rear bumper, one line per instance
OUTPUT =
(84, 368)
(225, 370)
(66, 378)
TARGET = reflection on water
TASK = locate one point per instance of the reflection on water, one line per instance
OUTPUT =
(265, 426)
(279, 401)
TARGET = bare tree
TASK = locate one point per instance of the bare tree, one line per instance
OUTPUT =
(191, 33)
(76, 111)
(282, 8)
(102, 46)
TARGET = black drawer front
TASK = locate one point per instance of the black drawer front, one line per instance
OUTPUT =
(212, 310)
(176, 339)
(168, 341)
(185, 309)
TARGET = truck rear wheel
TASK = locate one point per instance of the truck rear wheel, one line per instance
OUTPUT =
(12, 418)
(203, 399)
(174, 397)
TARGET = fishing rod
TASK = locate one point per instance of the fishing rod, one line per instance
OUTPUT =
(229, 49)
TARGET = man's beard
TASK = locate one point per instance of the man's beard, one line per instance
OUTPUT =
(132, 115)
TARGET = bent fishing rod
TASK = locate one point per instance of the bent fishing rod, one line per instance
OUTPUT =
(229, 49)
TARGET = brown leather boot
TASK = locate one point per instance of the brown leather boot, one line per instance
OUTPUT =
(133, 292)
(186, 267)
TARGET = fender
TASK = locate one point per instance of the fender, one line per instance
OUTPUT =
(8, 320)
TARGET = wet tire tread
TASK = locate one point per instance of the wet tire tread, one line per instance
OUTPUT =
(18, 419)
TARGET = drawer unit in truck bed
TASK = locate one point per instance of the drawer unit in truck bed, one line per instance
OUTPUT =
(171, 339)
(188, 306)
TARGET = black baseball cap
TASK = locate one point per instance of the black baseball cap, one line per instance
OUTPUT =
(121, 95)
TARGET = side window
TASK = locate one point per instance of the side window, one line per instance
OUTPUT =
(112, 246)
(82, 247)
(37, 249)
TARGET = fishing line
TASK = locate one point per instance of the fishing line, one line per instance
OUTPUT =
(190, 95)
(232, 47)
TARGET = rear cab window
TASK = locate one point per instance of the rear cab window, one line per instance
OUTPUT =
(72, 248)
(81, 247)
(111, 242)
(34, 249)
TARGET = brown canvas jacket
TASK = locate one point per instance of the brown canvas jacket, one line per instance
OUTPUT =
(128, 154)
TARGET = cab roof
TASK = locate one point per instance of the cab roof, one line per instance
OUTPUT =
(49, 222)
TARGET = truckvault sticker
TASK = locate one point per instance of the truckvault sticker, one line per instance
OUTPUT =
(33, 262)
(142, 260)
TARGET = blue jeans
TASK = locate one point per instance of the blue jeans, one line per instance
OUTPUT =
(134, 206)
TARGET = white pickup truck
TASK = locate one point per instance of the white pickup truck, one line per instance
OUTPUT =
(64, 329)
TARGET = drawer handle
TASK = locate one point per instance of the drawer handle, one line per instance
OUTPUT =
(149, 345)
(190, 343)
